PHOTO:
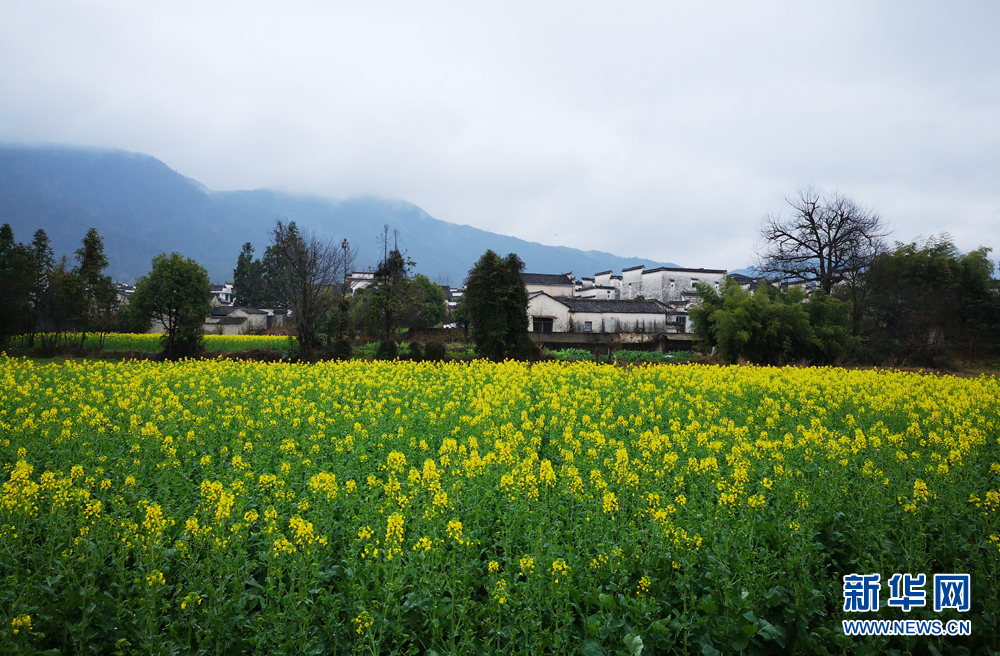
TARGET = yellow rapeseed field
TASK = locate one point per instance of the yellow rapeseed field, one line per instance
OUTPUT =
(388, 507)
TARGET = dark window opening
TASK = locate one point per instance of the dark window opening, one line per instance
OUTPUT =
(541, 324)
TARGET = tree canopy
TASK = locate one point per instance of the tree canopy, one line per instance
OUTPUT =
(177, 294)
(771, 326)
(17, 279)
(495, 303)
(924, 296)
(248, 279)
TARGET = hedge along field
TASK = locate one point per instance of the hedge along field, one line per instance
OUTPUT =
(150, 342)
(398, 508)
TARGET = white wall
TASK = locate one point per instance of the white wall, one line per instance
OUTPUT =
(551, 290)
(631, 284)
(669, 285)
(617, 322)
(543, 306)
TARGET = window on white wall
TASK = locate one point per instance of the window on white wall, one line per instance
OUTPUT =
(588, 326)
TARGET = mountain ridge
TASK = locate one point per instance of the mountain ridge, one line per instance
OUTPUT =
(142, 208)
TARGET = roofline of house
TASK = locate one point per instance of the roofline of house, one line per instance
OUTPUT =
(666, 268)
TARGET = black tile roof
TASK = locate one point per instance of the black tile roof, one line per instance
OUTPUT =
(621, 306)
(641, 266)
(740, 278)
(546, 279)
(685, 270)
(226, 310)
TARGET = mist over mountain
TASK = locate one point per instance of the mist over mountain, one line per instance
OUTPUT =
(143, 208)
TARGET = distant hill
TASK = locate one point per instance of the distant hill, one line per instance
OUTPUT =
(142, 208)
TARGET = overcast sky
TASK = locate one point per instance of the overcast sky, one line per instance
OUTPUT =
(663, 130)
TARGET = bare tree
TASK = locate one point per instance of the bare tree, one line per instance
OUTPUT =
(826, 240)
(316, 279)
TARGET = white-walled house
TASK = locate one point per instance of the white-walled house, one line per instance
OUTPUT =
(231, 320)
(564, 314)
(553, 284)
(608, 279)
(598, 293)
(676, 285)
(359, 280)
(631, 284)
(223, 294)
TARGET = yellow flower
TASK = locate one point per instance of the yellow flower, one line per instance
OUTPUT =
(610, 502)
(527, 564)
(454, 530)
(21, 622)
(363, 621)
(559, 569)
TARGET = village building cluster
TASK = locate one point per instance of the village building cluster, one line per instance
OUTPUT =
(638, 300)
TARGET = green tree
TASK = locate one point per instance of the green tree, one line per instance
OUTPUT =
(278, 278)
(44, 261)
(17, 277)
(177, 294)
(770, 326)
(426, 308)
(98, 290)
(248, 279)
(389, 296)
(62, 304)
(496, 305)
(927, 297)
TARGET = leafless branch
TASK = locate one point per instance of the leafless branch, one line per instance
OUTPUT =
(826, 240)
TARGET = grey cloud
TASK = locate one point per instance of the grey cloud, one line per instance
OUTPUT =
(661, 130)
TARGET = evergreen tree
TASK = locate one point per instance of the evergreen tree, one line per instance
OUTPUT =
(248, 279)
(99, 294)
(427, 304)
(390, 293)
(279, 286)
(496, 305)
(16, 281)
(41, 301)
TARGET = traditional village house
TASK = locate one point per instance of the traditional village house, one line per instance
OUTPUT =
(222, 294)
(359, 279)
(549, 283)
(598, 293)
(631, 285)
(231, 320)
(609, 280)
(565, 314)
